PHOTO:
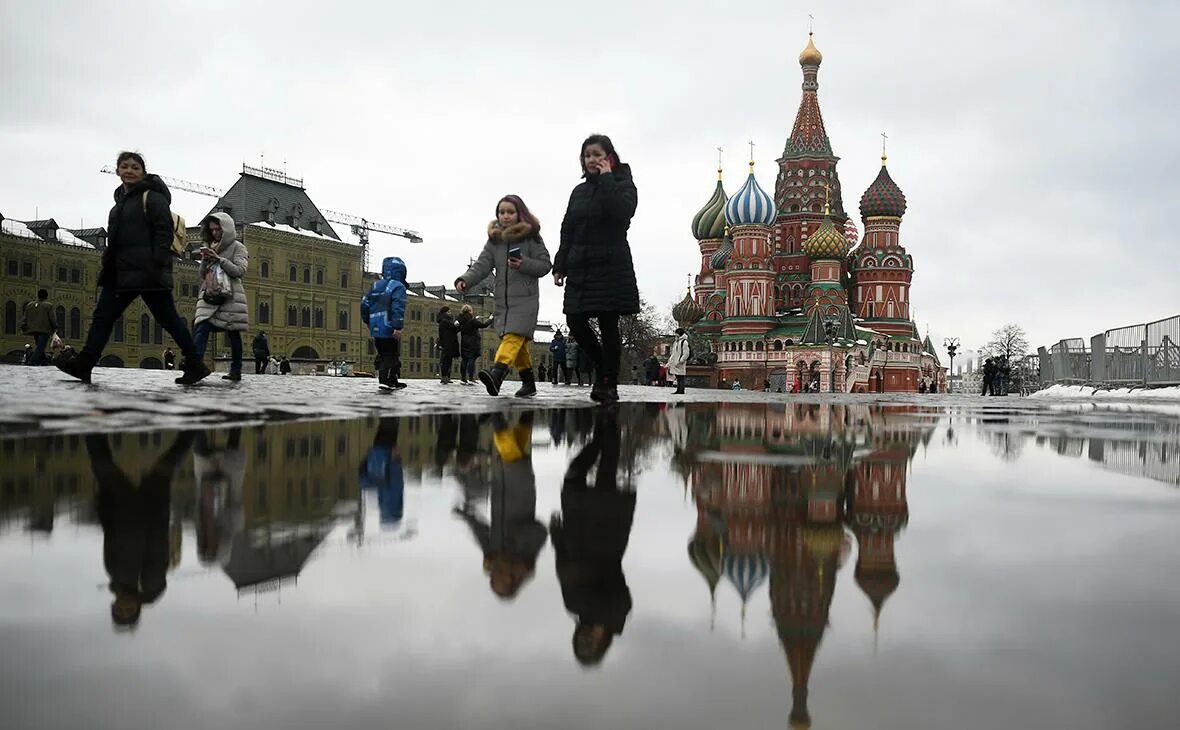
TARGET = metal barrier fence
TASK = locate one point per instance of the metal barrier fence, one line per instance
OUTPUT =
(1141, 354)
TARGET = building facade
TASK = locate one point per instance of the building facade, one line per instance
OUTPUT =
(789, 295)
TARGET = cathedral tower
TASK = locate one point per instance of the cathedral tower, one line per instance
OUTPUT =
(882, 270)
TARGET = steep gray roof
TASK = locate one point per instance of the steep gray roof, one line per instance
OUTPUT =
(254, 199)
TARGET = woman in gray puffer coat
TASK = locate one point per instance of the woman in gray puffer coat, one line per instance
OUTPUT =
(519, 257)
(231, 313)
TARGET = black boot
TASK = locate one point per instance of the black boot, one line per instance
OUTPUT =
(605, 390)
(493, 377)
(383, 378)
(194, 371)
(679, 385)
(528, 384)
(77, 367)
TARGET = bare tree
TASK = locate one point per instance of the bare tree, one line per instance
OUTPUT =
(1009, 341)
(640, 333)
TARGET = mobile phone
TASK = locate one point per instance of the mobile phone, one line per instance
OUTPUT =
(514, 253)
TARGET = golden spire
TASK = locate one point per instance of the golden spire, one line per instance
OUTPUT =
(883, 138)
(751, 143)
(827, 199)
(810, 55)
(720, 162)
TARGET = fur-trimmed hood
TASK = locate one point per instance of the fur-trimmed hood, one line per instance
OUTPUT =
(511, 234)
(228, 233)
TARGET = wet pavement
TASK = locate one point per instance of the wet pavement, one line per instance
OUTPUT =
(960, 564)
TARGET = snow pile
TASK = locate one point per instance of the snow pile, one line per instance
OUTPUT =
(1092, 393)
(64, 236)
(16, 228)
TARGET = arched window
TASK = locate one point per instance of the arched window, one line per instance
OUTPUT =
(75, 324)
(319, 318)
(118, 335)
(10, 317)
(263, 313)
(306, 317)
(319, 277)
(158, 334)
(758, 346)
(342, 320)
(264, 270)
(292, 317)
(294, 273)
(343, 279)
(306, 275)
(145, 330)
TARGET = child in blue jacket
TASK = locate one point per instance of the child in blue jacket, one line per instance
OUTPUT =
(384, 310)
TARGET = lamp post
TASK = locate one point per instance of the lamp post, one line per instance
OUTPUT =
(952, 347)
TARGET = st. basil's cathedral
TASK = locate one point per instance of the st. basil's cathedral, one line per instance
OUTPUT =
(788, 292)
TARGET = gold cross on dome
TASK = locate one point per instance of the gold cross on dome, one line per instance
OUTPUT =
(720, 162)
(751, 143)
(883, 138)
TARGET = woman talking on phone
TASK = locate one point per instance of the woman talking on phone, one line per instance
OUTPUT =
(594, 260)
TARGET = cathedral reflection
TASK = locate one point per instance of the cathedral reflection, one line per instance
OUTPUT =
(780, 492)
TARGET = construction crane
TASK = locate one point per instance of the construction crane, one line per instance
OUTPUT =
(360, 227)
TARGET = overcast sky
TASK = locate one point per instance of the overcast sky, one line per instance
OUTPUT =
(1037, 143)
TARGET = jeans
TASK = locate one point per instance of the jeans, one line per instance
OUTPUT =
(606, 355)
(40, 342)
(201, 341)
(467, 367)
(111, 305)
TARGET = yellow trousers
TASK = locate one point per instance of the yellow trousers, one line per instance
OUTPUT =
(512, 443)
(514, 352)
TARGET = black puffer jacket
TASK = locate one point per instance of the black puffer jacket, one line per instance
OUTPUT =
(138, 256)
(448, 334)
(470, 342)
(595, 256)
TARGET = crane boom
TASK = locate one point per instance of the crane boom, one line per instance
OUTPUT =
(178, 184)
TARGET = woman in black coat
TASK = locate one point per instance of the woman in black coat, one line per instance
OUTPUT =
(448, 342)
(470, 343)
(137, 262)
(594, 260)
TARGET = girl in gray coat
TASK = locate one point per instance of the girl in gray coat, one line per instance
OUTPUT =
(519, 257)
(227, 313)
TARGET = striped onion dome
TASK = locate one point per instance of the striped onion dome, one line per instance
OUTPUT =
(720, 257)
(750, 206)
(827, 242)
(851, 234)
(709, 222)
(746, 571)
(883, 198)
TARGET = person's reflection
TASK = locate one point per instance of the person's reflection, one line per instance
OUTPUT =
(220, 474)
(514, 537)
(134, 519)
(448, 427)
(590, 537)
(382, 471)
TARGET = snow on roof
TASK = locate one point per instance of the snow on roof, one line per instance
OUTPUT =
(297, 231)
(16, 228)
(64, 236)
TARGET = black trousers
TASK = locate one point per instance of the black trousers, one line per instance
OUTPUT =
(606, 355)
(444, 364)
(260, 363)
(111, 305)
(389, 357)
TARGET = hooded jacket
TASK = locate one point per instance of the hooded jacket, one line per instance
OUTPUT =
(595, 256)
(138, 256)
(517, 291)
(448, 333)
(234, 314)
(469, 340)
(384, 308)
(678, 357)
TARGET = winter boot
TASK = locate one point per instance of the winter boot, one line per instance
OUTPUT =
(528, 384)
(77, 367)
(233, 375)
(194, 371)
(679, 385)
(493, 377)
(383, 379)
(605, 391)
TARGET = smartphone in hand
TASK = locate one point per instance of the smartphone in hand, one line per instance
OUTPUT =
(515, 253)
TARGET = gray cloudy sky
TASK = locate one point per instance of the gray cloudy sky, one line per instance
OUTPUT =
(1037, 143)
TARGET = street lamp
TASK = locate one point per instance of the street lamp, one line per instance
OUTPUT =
(952, 347)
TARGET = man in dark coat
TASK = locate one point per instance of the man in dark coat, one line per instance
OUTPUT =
(470, 343)
(557, 347)
(261, 347)
(38, 322)
(589, 538)
(137, 263)
(134, 520)
(989, 377)
(448, 342)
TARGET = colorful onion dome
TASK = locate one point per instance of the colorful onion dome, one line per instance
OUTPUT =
(687, 312)
(851, 234)
(709, 222)
(746, 571)
(720, 257)
(750, 206)
(883, 198)
(810, 55)
(828, 242)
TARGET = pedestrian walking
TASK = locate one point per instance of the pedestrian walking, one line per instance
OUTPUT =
(517, 254)
(559, 371)
(38, 322)
(448, 342)
(470, 343)
(137, 263)
(542, 373)
(261, 348)
(678, 359)
(989, 377)
(573, 361)
(384, 309)
(27, 357)
(594, 260)
(169, 359)
(222, 308)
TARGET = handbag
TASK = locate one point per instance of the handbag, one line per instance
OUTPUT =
(217, 287)
(55, 342)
